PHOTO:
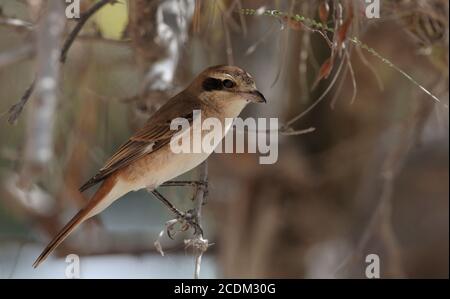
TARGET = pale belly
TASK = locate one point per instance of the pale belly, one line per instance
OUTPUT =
(161, 166)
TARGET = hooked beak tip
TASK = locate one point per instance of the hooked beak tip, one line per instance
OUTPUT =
(259, 97)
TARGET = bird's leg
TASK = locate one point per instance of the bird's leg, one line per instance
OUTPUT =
(183, 183)
(171, 207)
(197, 184)
(189, 217)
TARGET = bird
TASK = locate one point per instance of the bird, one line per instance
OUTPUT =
(146, 160)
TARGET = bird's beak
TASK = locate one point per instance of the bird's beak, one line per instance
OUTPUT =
(255, 96)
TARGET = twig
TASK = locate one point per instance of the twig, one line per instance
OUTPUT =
(298, 132)
(338, 89)
(313, 105)
(283, 49)
(352, 75)
(199, 244)
(314, 24)
(283, 130)
(17, 24)
(15, 110)
(370, 67)
(81, 21)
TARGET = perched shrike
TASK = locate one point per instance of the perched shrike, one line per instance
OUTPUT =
(146, 159)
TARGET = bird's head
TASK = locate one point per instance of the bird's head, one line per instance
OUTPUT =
(228, 83)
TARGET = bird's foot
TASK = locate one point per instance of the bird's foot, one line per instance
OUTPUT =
(187, 220)
(191, 220)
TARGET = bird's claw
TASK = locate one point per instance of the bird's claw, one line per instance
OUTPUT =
(190, 220)
(187, 220)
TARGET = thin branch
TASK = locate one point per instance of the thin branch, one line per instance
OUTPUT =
(16, 24)
(199, 244)
(370, 67)
(283, 130)
(298, 132)
(352, 75)
(313, 105)
(15, 110)
(81, 21)
(338, 89)
(314, 24)
(283, 48)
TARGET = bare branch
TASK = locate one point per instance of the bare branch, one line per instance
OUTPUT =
(15, 110)
(352, 75)
(298, 132)
(191, 218)
(83, 19)
(39, 135)
(313, 105)
(199, 244)
(16, 24)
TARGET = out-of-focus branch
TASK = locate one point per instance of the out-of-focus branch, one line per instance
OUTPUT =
(40, 123)
(17, 108)
(16, 24)
(81, 21)
(39, 134)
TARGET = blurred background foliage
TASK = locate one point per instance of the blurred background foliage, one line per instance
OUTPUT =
(371, 178)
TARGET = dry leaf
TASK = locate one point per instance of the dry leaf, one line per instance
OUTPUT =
(325, 70)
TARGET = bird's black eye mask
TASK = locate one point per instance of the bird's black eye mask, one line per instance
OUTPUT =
(216, 84)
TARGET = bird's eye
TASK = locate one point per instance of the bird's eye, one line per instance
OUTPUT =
(228, 83)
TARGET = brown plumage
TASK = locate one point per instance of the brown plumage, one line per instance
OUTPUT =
(146, 160)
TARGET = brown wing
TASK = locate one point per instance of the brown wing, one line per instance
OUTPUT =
(155, 134)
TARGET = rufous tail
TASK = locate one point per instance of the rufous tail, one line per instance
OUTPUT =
(79, 218)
